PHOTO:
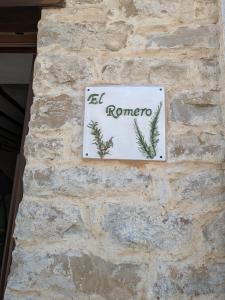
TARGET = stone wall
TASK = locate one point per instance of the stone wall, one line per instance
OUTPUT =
(116, 230)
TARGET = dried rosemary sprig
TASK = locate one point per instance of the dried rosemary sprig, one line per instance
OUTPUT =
(103, 147)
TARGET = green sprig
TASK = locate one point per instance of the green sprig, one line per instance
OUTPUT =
(142, 144)
(103, 147)
(149, 149)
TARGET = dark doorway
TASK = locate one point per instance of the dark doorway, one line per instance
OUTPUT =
(18, 45)
(18, 35)
(13, 97)
(15, 102)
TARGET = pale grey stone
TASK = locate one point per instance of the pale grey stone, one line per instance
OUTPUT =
(54, 112)
(144, 227)
(75, 276)
(183, 75)
(32, 271)
(195, 114)
(201, 36)
(80, 181)
(190, 146)
(178, 282)
(206, 10)
(48, 221)
(181, 11)
(200, 186)
(43, 148)
(94, 275)
(129, 7)
(85, 35)
(155, 8)
(196, 108)
(60, 67)
(199, 98)
(214, 233)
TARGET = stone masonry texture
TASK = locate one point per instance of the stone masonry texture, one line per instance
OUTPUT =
(123, 230)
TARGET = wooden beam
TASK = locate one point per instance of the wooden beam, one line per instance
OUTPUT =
(18, 40)
(41, 3)
(32, 50)
(19, 19)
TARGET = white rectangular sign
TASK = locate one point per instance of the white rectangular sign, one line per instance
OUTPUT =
(125, 122)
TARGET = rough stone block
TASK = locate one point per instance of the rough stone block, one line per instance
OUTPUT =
(199, 98)
(83, 181)
(182, 75)
(48, 221)
(207, 11)
(43, 148)
(74, 275)
(179, 11)
(42, 273)
(144, 227)
(156, 8)
(200, 186)
(201, 36)
(196, 108)
(195, 114)
(54, 112)
(129, 8)
(76, 14)
(112, 36)
(177, 282)
(214, 234)
(190, 146)
(60, 67)
(95, 276)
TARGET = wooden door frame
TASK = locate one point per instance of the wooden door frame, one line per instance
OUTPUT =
(18, 29)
